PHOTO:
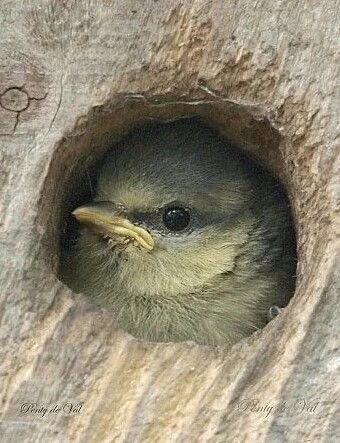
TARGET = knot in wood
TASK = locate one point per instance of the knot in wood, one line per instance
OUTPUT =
(14, 99)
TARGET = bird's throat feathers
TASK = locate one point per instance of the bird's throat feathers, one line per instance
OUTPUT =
(171, 269)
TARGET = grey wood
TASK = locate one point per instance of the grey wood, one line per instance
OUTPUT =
(74, 77)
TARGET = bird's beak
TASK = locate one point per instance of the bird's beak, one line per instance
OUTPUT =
(105, 219)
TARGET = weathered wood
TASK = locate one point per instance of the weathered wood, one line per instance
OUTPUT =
(74, 76)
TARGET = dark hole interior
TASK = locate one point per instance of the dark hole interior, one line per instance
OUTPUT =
(83, 189)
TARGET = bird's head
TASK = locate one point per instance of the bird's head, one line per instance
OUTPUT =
(173, 209)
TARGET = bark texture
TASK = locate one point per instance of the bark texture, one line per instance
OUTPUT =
(76, 75)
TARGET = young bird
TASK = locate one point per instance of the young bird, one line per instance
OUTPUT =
(186, 239)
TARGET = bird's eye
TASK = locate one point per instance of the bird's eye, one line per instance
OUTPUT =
(176, 218)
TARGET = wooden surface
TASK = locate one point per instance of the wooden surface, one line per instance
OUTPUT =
(74, 76)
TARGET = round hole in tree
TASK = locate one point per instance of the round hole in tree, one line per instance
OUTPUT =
(172, 223)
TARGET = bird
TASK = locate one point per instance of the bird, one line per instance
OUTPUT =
(185, 239)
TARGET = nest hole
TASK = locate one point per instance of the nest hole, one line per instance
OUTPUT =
(73, 178)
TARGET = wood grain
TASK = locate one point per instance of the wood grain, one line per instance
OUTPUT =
(265, 73)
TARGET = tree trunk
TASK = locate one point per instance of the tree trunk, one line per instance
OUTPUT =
(76, 75)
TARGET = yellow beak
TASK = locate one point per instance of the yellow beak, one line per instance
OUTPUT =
(102, 219)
